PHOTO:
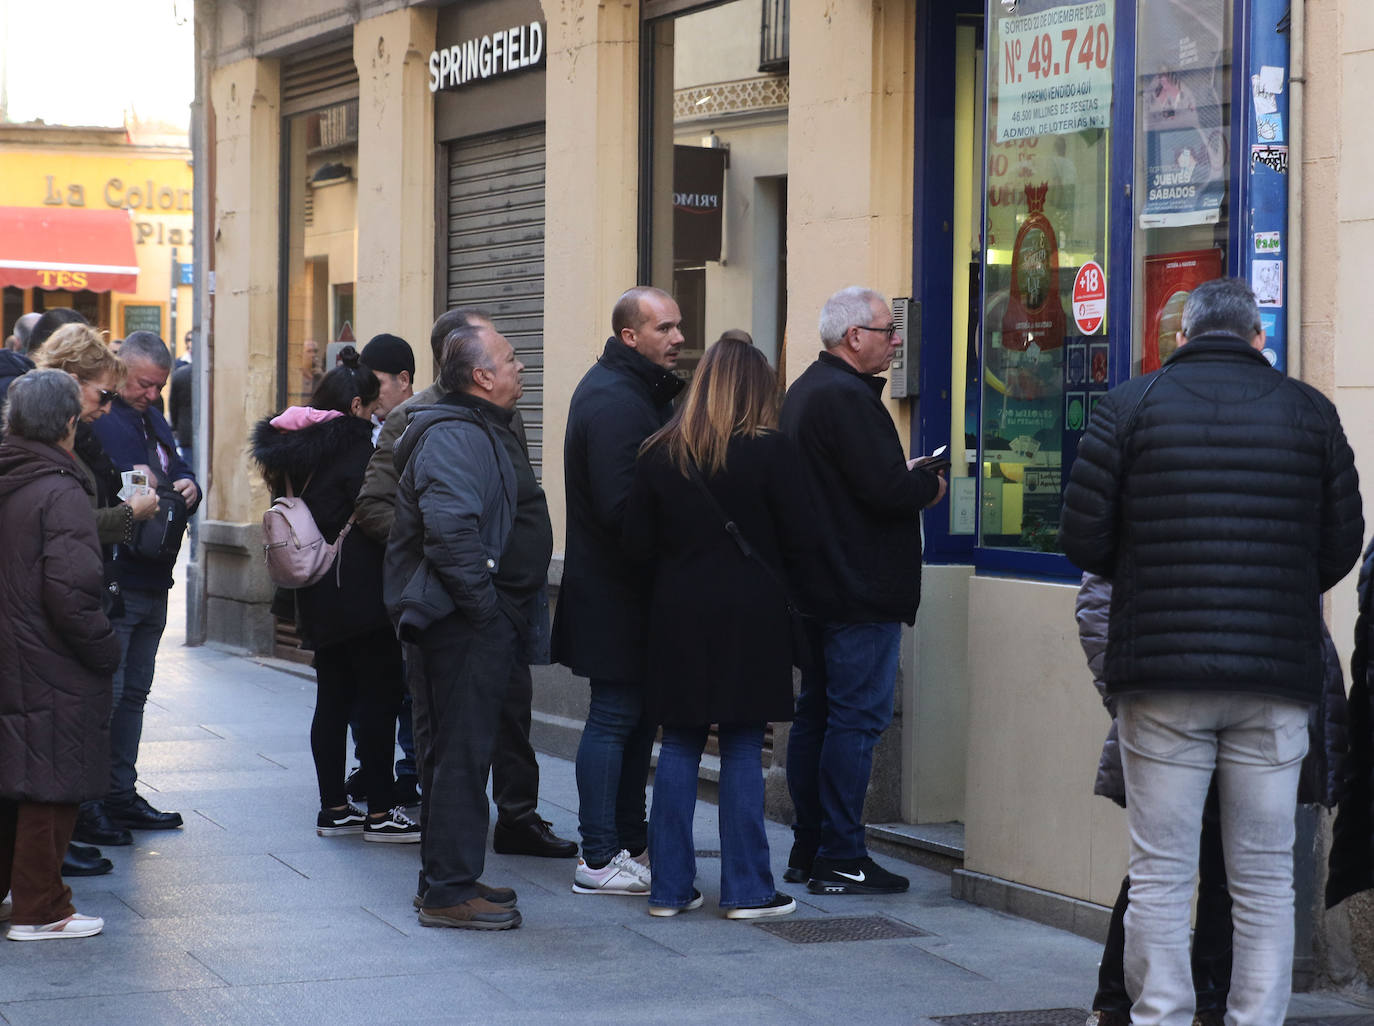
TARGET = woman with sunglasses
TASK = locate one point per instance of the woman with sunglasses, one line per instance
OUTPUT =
(79, 350)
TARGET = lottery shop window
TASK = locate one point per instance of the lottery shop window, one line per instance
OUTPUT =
(1045, 351)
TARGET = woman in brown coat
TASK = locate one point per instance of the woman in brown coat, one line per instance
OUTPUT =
(58, 655)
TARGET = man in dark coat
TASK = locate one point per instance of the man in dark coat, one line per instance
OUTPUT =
(467, 559)
(132, 435)
(601, 622)
(515, 769)
(59, 653)
(868, 497)
(1221, 499)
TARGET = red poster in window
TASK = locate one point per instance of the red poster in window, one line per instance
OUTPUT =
(1169, 278)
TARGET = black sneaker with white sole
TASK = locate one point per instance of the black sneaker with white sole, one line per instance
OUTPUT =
(853, 876)
(332, 822)
(779, 905)
(395, 828)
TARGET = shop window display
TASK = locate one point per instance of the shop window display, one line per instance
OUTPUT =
(1046, 356)
(320, 195)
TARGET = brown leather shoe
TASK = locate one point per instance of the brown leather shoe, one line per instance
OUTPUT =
(503, 896)
(473, 914)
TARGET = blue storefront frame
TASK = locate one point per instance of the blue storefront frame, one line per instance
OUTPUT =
(1251, 205)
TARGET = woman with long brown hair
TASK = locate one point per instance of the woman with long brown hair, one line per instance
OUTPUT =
(720, 638)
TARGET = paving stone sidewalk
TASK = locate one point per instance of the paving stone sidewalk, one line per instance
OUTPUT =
(246, 917)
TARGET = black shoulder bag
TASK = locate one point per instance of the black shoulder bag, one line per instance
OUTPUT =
(159, 538)
(805, 629)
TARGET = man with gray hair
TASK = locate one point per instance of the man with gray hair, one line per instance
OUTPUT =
(868, 498)
(1221, 499)
(466, 561)
(14, 362)
(134, 435)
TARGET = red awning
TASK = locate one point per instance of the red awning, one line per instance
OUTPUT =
(65, 248)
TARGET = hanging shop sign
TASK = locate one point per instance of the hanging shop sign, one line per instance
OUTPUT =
(490, 56)
(698, 203)
(1055, 71)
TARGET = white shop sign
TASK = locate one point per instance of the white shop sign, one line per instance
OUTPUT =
(489, 56)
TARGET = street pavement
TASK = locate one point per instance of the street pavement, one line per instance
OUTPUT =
(246, 917)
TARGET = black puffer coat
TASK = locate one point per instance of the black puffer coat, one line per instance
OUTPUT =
(600, 624)
(58, 652)
(332, 456)
(1323, 770)
(1351, 866)
(1221, 499)
(868, 503)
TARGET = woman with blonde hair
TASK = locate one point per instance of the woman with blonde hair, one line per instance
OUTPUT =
(718, 510)
(79, 350)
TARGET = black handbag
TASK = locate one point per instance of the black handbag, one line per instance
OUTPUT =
(805, 629)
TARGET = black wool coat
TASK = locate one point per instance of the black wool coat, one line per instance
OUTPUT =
(867, 502)
(1221, 499)
(720, 644)
(58, 652)
(332, 456)
(600, 623)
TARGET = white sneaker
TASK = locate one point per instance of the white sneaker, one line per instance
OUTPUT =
(622, 875)
(75, 925)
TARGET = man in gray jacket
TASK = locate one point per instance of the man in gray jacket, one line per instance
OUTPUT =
(515, 771)
(466, 562)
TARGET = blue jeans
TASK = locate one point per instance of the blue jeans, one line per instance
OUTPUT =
(612, 770)
(1171, 743)
(746, 879)
(405, 737)
(842, 711)
(139, 631)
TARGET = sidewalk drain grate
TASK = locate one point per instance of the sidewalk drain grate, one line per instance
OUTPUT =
(1363, 1019)
(708, 853)
(842, 928)
(1036, 1017)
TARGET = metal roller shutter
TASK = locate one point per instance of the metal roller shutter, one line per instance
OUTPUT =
(496, 250)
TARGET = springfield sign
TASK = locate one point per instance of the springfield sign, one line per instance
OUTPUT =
(475, 60)
(1054, 73)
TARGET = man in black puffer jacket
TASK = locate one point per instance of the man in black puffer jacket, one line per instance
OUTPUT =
(868, 497)
(1221, 499)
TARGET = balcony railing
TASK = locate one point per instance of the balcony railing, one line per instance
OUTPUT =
(773, 52)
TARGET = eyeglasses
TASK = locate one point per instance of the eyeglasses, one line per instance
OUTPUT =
(889, 331)
(106, 396)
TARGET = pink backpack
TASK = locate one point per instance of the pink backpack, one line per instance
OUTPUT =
(296, 553)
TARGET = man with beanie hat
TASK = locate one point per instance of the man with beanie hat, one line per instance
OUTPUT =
(391, 359)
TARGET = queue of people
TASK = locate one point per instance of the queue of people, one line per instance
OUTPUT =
(786, 533)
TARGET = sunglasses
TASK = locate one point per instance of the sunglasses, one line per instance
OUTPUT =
(106, 396)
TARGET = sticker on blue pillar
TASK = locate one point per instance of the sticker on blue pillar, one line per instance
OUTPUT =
(1271, 155)
(1266, 278)
(1268, 243)
(1265, 88)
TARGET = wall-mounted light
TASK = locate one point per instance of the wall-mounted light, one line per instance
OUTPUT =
(330, 174)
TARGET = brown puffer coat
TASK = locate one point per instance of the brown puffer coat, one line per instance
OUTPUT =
(58, 652)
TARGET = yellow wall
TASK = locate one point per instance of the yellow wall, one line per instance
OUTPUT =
(110, 178)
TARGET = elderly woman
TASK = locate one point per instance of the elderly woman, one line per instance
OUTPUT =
(60, 655)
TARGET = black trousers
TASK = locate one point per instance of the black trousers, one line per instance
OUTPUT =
(467, 674)
(362, 674)
(1211, 938)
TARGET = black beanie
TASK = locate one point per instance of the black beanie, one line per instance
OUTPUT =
(389, 354)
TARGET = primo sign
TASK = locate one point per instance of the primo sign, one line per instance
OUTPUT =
(499, 53)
